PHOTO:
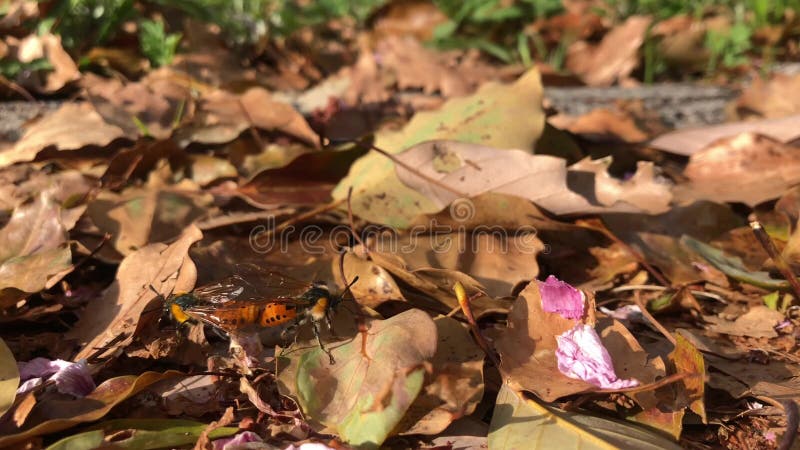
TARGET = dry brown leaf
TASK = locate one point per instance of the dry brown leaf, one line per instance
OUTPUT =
(528, 346)
(455, 386)
(46, 46)
(222, 116)
(472, 169)
(17, 13)
(404, 61)
(495, 257)
(657, 238)
(34, 253)
(758, 322)
(375, 285)
(167, 268)
(614, 58)
(747, 168)
(778, 380)
(777, 97)
(602, 124)
(157, 102)
(689, 141)
(143, 215)
(71, 127)
(416, 18)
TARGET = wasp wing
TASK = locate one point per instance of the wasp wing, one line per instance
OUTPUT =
(251, 283)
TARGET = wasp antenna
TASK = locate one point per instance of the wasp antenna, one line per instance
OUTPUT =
(351, 221)
(154, 290)
(347, 289)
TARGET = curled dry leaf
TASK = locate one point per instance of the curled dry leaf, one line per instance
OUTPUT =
(585, 187)
(50, 417)
(614, 58)
(746, 168)
(34, 253)
(364, 396)
(166, 267)
(375, 284)
(498, 259)
(688, 359)
(222, 116)
(71, 127)
(503, 116)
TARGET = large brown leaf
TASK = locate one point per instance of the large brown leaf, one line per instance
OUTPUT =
(71, 127)
(222, 116)
(747, 168)
(614, 58)
(34, 253)
(586, 187)
(167, 268)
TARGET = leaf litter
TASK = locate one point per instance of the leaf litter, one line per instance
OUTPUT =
(521, 279)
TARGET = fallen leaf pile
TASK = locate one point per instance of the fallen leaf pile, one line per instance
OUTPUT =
(520, 278)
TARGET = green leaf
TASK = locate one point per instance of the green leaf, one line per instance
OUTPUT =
(520, 423)
(9, 378)
(158, 46)
(732, 266)
(363, 396)
(146, 434)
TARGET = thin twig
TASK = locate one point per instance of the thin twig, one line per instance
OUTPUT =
(772, 251)
(638, 300)
(352, 222)
(17, 88)
(418, 173)
(599, 226)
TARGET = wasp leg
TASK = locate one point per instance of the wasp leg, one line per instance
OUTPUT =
(285, 337)
(329, 323)
(319, 341)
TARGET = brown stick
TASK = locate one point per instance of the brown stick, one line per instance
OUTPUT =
(599, 226)
(463, 301)
(638, 300)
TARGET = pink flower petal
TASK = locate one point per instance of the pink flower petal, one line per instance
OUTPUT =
(74, 379)
(309, 446)
(581, 355)
(70, 378)
(237, 441)
(40, 367)
(560, 297)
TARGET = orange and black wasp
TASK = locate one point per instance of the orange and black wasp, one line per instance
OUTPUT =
(255, 298)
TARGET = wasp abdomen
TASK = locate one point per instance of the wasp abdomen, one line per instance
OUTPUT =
(274, 314)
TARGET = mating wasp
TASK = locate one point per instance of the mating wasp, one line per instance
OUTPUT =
(255, 298)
